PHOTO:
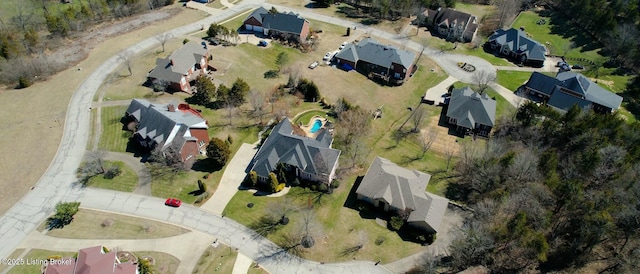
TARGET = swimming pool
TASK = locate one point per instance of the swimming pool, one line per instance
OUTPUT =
(316, 126)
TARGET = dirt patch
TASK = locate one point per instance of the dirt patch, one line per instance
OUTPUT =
(444, 142)
(32, 123)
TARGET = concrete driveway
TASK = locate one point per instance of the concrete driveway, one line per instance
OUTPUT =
(231, 179)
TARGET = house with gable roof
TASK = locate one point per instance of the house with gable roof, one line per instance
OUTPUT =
(451, 24)
(570, 88)
(180, 128)
(515, 44)
(311, 159)
(289, 26)
(181, 66)
(391, 188)
(92, 260)
(471, 112)
(375, 60)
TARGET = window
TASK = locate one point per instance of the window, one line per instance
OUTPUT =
(201, 143)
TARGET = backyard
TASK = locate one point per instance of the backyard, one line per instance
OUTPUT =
(126, 181)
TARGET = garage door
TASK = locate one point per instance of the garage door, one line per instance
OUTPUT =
(257, 29)
(248, 27)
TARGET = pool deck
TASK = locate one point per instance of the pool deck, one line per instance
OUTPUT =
(307, 128)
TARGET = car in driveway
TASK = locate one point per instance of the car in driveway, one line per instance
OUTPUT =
(313, 65)
(344, 44)
(262, 43)
(173, 202)
(576, 66)
(327, 56)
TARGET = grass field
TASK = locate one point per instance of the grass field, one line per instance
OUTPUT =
(165, 263)
(113, 138)
(512, 80)
(126, 182)
(218, 259)
(88, 224)
(37, 254)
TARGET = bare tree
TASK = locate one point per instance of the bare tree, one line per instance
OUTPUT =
(166, 162)
(483, 79)
(449, 151)
(353, 126)
(126, 58)
(163, 38)
(93, 165)
(417, 118)
(257, 101)
(427, 140)
(23, 14)
(361, 240)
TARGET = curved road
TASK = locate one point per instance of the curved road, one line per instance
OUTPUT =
(57, 182)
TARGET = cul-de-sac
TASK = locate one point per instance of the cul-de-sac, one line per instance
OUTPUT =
(319, 136)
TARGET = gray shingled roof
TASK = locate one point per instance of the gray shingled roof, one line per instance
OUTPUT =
(449, 17)
(402, 188)
(518, 41)
(314, 156)
(283, 22)
(370, 51)
(577, 83)
(257, 14)
(469, 108)
(156, 122)
(183, 59)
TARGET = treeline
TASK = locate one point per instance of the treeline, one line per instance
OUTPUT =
(38, 26)
(551, 192)
(387, 9)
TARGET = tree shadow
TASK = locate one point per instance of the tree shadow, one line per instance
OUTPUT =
(265, 226)
(561, 25)
(206, 165)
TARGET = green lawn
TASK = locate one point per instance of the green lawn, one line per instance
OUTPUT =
(37, 254)
(512, 80)
(560, 34)
(216, 259)
(217, 5)
(92, 224)
(478, 10)
(13, 255)
(306, 117)
(165, 263)
(113, 138)
(126, 182)
(236, 22)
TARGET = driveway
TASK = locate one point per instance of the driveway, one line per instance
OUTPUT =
(434, 94)
(231, 179)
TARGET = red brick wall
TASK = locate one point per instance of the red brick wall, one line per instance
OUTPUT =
(304, 33)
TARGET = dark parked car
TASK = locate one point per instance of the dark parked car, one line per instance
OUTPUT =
(262, 43)
(576, 66)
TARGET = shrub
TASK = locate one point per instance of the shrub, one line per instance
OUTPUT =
(185, 41)
(335, 183)
(396, 223)
(252, 179)
(112, 172)
(322, 187)
(24, 82)
(271, 74)
(380, 240)
(272, 181)
(218, 151)
(280, 187)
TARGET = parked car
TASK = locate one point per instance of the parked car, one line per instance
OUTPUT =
(560, 64)
(173, 202)
(262, 43)
(344, 44)
(327, 56)
(313, 65)
(565, 67)
(576, 66)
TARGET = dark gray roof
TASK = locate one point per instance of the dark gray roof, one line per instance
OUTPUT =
(542, 83)
(518, 41)
(451, 17)
(283, 22)
(591, 91)
(577, 83)
(314, 156)
(402, 188)
(257, 14)
(370, 51)
(469, 108)
(157, 123)
(179, 62)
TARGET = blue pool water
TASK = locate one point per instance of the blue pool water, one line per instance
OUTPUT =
(316, 126)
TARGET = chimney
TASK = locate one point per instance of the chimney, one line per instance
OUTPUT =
(171, 62)
(171, 108)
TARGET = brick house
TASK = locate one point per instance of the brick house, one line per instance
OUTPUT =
(182, 66)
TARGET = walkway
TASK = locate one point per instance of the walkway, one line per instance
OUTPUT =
(231, 179)
(188, 254)
(144, 177)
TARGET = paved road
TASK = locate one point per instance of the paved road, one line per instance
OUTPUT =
(188, 254)
(266, 253)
